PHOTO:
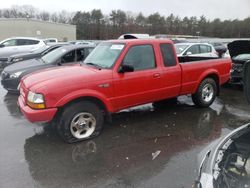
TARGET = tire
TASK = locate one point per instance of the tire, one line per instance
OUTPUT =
(206, 93)
(80, 121)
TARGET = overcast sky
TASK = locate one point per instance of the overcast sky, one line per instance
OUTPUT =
(223, 9)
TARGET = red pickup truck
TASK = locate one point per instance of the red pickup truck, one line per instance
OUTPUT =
(117, 75)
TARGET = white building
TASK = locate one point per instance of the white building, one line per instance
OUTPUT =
(13, 27)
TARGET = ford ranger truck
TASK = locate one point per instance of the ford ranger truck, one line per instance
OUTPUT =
(118, 74)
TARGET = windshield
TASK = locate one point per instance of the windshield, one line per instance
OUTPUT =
(180, 48)
(104, 55)
(53, 56)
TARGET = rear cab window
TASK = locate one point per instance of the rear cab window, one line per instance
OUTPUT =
(168, 55)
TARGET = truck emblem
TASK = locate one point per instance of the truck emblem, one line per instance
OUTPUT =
(104, 85)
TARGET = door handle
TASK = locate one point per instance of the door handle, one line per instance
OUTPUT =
(156, 75)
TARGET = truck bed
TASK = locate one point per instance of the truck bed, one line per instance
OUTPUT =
(186, 59)
(192, 73)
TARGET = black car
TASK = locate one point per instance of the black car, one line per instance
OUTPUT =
(240, 54)
(66, 55)
(31, 55)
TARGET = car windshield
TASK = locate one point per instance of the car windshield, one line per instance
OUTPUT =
(180, 48)
(104, 55)
(243, 57)
(53, 56)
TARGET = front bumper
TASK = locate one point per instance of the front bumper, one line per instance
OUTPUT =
(10, 84)
(44, 115)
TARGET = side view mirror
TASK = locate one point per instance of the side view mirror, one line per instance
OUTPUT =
(1, 45)
(189, 53)
(126, 68)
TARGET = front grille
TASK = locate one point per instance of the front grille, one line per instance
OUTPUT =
(237, 67)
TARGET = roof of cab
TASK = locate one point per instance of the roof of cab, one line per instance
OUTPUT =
(141, 41)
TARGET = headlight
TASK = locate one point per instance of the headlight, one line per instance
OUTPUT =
(16, 74)
(35, 100)
(17, 59)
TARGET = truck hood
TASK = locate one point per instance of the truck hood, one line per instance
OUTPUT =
(239, 47)
(62, 75)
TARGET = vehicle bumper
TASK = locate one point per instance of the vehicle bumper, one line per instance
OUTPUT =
(45, 115)
(10, 84)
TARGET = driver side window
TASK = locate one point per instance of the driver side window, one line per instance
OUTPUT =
(140, 57)
(69, 57)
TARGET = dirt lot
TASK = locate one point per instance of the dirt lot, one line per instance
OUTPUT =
(143, 147)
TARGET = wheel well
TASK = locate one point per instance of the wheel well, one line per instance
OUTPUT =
(216, 79)
(96, 101)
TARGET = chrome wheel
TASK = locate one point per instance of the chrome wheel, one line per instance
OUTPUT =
(207, 92)
(83, 125)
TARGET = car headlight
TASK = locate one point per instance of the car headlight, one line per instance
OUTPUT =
(17, 59)
(35, 100)
(16, 74)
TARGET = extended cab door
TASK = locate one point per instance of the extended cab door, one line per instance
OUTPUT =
(172, 72)
(143, 85)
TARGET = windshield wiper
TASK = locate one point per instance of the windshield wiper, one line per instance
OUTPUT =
(95, 65)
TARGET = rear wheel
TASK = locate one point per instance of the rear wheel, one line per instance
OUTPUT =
(80, 121)
(206, 93)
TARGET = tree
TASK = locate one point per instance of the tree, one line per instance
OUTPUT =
(45, 16)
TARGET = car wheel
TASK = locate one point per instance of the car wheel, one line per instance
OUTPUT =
(206, 93)
(80, 121)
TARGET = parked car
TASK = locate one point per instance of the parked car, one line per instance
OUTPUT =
(240, 54)
(195, 49)
(134, 36)
(34, 54)
(226, 162)
(81, 42)
(18, 45)
(116, 75)
(246, 80)
(66, 55)
(220, 48)
(50, 40)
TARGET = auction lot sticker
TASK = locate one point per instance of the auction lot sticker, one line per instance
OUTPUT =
(117, 47)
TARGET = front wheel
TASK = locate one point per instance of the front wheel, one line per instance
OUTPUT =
(80, 121)
(206, 93)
